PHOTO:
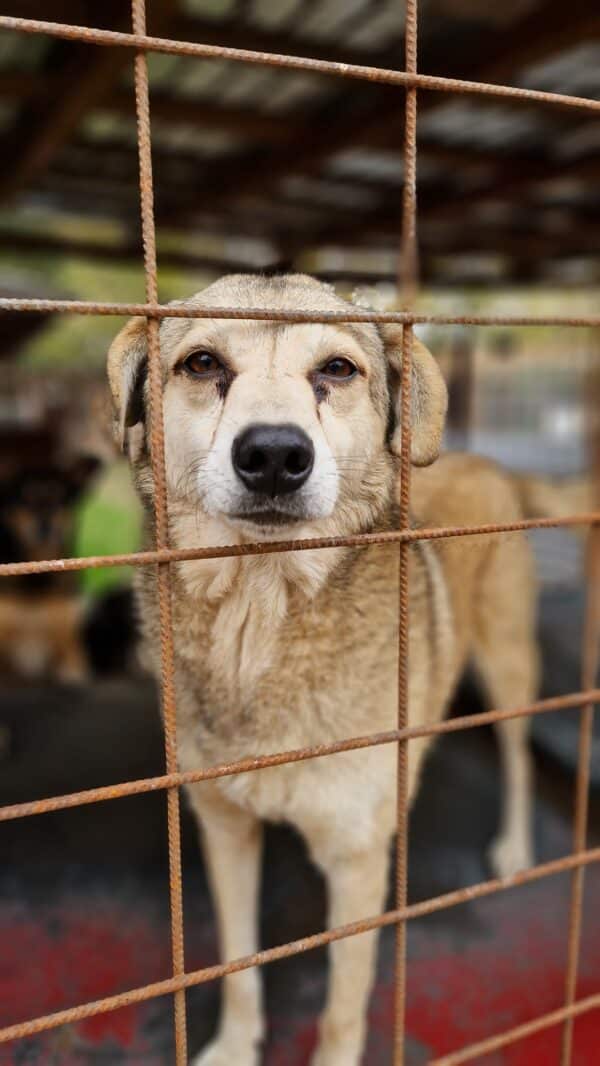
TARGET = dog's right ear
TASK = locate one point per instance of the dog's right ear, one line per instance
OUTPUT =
(429, 398)
(127, 372)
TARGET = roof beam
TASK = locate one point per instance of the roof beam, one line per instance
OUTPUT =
(47, 122)
(233, 34)
(75, 12)
(346, 224)
(207, 115)
(523, 240)
(551, 27)
(582, 238)
(262, 126)
(512, 178)
(129, 252)
(87, 160)
(380, 119)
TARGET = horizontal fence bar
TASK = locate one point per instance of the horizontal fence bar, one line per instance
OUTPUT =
(272, 314)
(520, 1032)
(227, 551)
(261, 762)
(305, 64)
(296, 947)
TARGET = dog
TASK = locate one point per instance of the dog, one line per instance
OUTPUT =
(276, 430)
(41, 615)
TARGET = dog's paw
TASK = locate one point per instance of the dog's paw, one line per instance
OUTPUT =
(223, 1053)
(509, 855)
(330, 1054)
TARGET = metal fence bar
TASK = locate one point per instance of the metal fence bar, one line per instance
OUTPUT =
(403, 694)
(182, 309)
(260, 762)
(408, 280)
(402, 78)
(589, 669)
(365, 540)
(520, 1032)
(591, 641)
(163, 574)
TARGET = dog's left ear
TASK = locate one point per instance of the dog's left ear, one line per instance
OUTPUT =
(429, 397)
(127, 370)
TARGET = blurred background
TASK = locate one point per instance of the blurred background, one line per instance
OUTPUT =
(273, 170)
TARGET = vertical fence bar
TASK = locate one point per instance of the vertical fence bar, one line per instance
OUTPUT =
(407, 267)
(407, 285)
(402, 764)
(162, 525)
(589, 670)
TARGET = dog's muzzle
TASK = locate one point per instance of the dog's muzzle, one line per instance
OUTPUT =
(273, 460)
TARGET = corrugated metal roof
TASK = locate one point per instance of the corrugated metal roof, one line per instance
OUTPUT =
(328, 162)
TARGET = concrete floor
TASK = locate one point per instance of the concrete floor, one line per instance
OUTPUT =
(84, 905)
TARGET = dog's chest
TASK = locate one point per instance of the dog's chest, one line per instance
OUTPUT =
(305, 792)
(252, 683)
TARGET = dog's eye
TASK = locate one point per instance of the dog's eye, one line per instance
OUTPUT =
(200, 364)
(338, 368)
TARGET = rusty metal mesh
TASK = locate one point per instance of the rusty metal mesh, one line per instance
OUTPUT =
(410, 81)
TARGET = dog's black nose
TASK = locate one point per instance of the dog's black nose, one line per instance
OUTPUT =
(273, 460)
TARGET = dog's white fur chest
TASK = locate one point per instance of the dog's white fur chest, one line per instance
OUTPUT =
(257, 679)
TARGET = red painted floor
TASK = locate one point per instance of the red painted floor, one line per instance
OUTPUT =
(503, 968)
(84, 914)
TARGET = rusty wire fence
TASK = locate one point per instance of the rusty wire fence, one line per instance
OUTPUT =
(410, 81)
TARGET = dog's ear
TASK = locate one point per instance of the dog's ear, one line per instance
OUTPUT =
(429, 398)
(127, 372)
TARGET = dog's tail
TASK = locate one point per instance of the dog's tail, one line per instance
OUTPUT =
(556, 497)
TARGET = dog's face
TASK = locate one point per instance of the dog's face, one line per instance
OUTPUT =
(36, 510)
(273, 425)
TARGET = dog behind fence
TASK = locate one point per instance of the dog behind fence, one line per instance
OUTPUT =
(409, 81)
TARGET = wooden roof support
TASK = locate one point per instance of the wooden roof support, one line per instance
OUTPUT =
(506, 173)
(373, 117)
(206, 114)
(46, 125)
(73, 11)
(232, 34)
(51, 244)
(87, 73)
(306, 143)
(512, 178)
(526, 243)
(380, 121)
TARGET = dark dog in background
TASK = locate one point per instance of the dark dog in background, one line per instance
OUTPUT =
(41, 615)
(47, 629)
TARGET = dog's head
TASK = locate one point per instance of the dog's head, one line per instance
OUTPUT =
(36, 511)
(271, 425)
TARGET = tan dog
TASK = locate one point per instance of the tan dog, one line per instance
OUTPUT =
(293, 431)
(40, 637)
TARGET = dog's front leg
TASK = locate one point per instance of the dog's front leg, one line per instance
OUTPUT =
(232, 846)
(357, 889)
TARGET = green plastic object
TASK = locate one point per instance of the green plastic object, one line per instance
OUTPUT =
(108, 522)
